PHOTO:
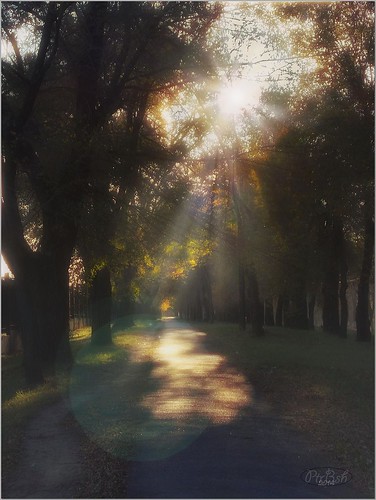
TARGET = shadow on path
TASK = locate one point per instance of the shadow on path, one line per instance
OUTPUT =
(238, 448)
(185, 423)
(158, 399)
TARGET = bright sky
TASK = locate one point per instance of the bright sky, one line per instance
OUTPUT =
(229, 101)
(4, 267)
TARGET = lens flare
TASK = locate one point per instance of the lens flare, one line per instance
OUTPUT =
(154, 392)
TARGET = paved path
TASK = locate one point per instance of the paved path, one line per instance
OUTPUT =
(51, 461)
(239, 448)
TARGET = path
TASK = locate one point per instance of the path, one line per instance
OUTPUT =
(243, 451)
(51, 461)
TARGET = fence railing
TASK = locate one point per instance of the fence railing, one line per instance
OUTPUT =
(79, 310)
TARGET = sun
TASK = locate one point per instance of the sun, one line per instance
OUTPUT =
(237, 95)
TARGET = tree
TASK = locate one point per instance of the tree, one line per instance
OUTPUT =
(343, 46)
(41, 276)
(90, 58)
(315, 203)
(324, 143)
(101, 307)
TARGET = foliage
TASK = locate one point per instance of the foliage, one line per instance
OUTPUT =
(321, 147)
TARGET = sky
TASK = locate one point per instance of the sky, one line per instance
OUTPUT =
(4, 267)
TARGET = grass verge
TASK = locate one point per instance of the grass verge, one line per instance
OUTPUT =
(322, 384)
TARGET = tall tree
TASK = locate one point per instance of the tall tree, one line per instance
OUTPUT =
(90, 57)
(342, 43)
(327, 130)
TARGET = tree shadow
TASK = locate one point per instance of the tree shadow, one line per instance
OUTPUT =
(155, 397)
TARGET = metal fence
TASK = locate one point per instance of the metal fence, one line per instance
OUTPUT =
(79, 310)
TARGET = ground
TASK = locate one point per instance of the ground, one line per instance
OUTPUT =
(176, 419)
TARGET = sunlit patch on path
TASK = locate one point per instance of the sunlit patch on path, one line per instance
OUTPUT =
(153, 393)
(196, 384)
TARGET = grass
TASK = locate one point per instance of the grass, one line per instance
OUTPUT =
(322, 384)
(106, 390)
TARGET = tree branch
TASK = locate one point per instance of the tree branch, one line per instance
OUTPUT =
(43, 60)
(12, 38)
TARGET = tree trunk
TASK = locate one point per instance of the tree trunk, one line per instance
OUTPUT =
(206, 291)
(279, 311)
(297, 313)
(363, 324)
(268, 313)
(43, 302)
(242, 301)
(31, 340)
(330, 316)
(330, 313)
(42, 277)
(343, 298)
(311, 311)
(101, 298)
(344, 307)
(256, 314)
